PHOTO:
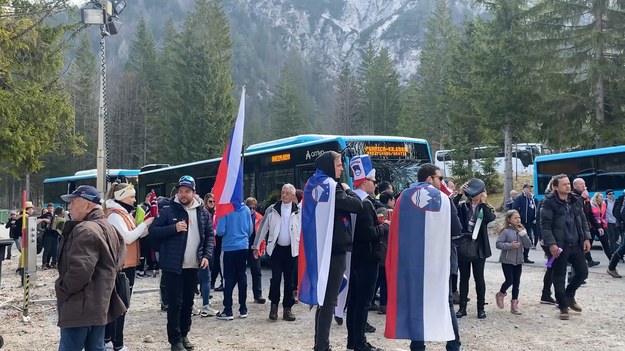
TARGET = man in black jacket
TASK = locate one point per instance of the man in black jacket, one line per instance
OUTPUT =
(364, 260)
(565, 232)
(185, 232)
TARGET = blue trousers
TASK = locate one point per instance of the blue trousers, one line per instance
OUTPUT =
(88, 338)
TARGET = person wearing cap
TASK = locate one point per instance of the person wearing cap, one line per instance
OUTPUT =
(119, 206)
(469, 213)
(339, 202)
(184, 230)
(281, 228)
(368, 233)
(525, 204)
(611, 219)
(90, 256)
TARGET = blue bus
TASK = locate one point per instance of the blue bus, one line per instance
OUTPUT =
(602, 169)
(53, 188)
(269, 165)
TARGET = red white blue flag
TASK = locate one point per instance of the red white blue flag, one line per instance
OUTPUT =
(417, 266)
(229, 183)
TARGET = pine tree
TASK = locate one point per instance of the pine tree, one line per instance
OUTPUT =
(346, 105)
(287, 116)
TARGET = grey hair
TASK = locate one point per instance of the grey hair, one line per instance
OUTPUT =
(290, 187)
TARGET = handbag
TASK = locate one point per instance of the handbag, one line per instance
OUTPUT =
(467, 248)
(122, 284)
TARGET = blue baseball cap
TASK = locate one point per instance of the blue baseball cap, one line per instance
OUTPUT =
(187, 181)
(87, 192)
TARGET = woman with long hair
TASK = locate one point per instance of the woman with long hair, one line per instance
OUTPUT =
(599, 208)
(119, 206)
(511, 241)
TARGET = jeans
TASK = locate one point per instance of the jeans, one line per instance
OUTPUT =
(362, 281)
(114, 331)
(254, 264)
(478, 277)
(204, 277)
(180, 293)
(613, 235)
(512, 273)
(234, 274)
(452, 345)
(18, 243)
(282, 263)
(323, 315)
(574, 255)
(87, 338)
(618, 255)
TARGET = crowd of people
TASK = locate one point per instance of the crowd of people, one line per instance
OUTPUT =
(329, 246)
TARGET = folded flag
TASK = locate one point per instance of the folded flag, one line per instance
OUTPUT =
(418, 266)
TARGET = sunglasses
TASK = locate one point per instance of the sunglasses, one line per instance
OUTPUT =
(373, 181)
(211, 201)
(610, 193)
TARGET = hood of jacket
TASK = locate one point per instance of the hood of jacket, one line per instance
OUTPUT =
(194, 204)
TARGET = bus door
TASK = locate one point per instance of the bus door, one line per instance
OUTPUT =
(302, 174)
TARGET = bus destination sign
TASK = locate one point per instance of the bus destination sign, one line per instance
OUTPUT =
(386, 150)
(280, 157)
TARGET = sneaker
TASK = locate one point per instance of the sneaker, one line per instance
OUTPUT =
(140, 274)
(369, 328)
(614, 274)
(207, 311)
(548, 300)
(243, 315)
(593, 263)
(382, 309)
(527, 260)
(109, 346)
(224, 316)
(195, 311)
(124, 348)
(564, 314)
(338, 320)
(177, 347)
(219, 288)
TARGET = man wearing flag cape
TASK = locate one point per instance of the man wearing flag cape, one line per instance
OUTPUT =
(419, 260)
(326, 238)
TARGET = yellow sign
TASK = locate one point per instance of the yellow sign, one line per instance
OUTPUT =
(380, 150)
(280, 158)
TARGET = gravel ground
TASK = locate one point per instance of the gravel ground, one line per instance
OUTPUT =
(599, 327)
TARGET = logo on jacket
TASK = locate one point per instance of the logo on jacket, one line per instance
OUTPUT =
(321, 193)
(427, 199)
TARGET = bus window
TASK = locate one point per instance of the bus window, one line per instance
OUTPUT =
(270, 185)
(611, 171)
(304, 172)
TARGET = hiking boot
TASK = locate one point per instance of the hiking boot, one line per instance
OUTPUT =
(462, 311)
(273, 313)
(593, 263)
(481, 314)
(564, 314)
(186, 343)
(514, 307)
(573, 305)
(499, 298)
(260, 300)
(369, 328)
(456, 298)
(288, 315)
(367, 347)
(178, 347)
(614, 273)
(548, 300)
(372, 307)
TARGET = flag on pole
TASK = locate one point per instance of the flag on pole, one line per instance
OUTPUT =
(229, 183)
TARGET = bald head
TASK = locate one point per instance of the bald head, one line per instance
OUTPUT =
(579, 184)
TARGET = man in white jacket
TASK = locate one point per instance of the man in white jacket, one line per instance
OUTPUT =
(282, 221)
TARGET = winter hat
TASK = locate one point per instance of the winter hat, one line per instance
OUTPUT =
(362, 169)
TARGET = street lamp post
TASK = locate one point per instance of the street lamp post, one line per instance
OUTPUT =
(104, 13)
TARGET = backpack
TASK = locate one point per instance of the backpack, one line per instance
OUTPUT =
(618, 204)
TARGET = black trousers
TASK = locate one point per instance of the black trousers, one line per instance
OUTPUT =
(575, 256)
(235, 274)
(216, 264)
(512, 273)
(180, 293)
(547, 278)
(618, 255)
(613, 235)
(50, 247)
(605, 244)
(114, 331)
(362, 278)
(254, 264)
(282, 263)
(478, 276)
(323, 315)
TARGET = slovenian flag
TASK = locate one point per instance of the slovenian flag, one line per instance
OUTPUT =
(316, 242)
(229, 183)
(418, 266)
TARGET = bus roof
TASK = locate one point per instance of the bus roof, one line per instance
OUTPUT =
(583, 153)
(88, 174)
(201, 162)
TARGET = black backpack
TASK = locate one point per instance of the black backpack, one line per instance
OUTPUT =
(616, 211)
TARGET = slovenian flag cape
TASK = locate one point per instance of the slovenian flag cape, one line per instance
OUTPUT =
(316, 241)
(418, 266)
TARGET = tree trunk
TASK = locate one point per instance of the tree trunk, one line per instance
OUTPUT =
(599, 86)
(507, 140)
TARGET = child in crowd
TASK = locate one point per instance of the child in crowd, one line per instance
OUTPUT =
(511, 241)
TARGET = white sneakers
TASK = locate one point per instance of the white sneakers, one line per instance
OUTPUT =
(109, 347)
(207, 311)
